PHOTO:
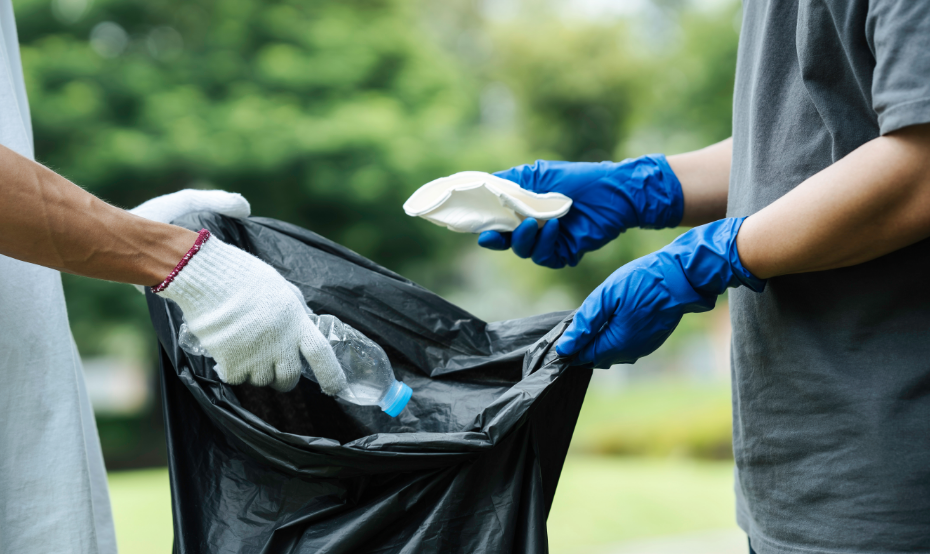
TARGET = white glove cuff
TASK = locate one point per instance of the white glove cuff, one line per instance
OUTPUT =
(202, 278)
(202, 238)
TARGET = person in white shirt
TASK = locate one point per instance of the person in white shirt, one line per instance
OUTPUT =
(53, 488)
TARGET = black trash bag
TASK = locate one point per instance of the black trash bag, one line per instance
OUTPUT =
(471, 465)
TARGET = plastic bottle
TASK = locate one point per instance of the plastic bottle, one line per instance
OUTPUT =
(370, 377)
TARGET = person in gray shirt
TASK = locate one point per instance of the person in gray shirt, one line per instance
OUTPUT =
(817, 213)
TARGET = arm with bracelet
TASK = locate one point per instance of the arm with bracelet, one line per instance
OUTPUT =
(238, 306)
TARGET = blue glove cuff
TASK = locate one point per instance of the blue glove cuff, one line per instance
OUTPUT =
(666, 205)
(740, 273)
(709, 259)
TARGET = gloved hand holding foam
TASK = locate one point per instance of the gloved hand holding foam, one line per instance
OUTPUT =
(607, 199)
(249, 319)
(632, 313)
(475, 202)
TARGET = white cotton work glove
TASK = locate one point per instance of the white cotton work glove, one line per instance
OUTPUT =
(169, 207)
(249, 319)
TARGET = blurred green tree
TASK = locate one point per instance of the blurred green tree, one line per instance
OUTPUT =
(327, 114)
(601, 86)
(330, 113)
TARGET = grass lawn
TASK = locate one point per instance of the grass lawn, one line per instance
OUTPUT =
(600, 500)
(603, 500)
(678, 419)
(142, 511)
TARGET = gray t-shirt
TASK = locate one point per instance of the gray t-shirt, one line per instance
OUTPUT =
(831, 370)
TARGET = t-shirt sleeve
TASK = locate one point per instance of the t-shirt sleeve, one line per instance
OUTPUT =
(899, 35)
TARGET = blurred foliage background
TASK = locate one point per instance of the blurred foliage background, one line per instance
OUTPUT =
(330, 113)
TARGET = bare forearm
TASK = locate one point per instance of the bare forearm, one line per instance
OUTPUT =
(874, 201)
(49, 221)
(705, 177)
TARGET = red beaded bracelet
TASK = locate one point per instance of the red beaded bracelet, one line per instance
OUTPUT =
(198, 244)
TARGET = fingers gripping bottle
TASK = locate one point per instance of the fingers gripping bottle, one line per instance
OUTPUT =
(368, 371)
(369, 374)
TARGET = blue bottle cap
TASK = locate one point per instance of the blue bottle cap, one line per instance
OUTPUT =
(396, 399)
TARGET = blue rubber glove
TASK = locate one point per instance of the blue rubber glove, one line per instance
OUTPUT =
(607, 199)
(632, 313)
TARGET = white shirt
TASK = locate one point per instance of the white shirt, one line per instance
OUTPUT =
(53, 488)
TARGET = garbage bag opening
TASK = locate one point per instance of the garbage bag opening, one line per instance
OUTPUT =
(471, 465)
